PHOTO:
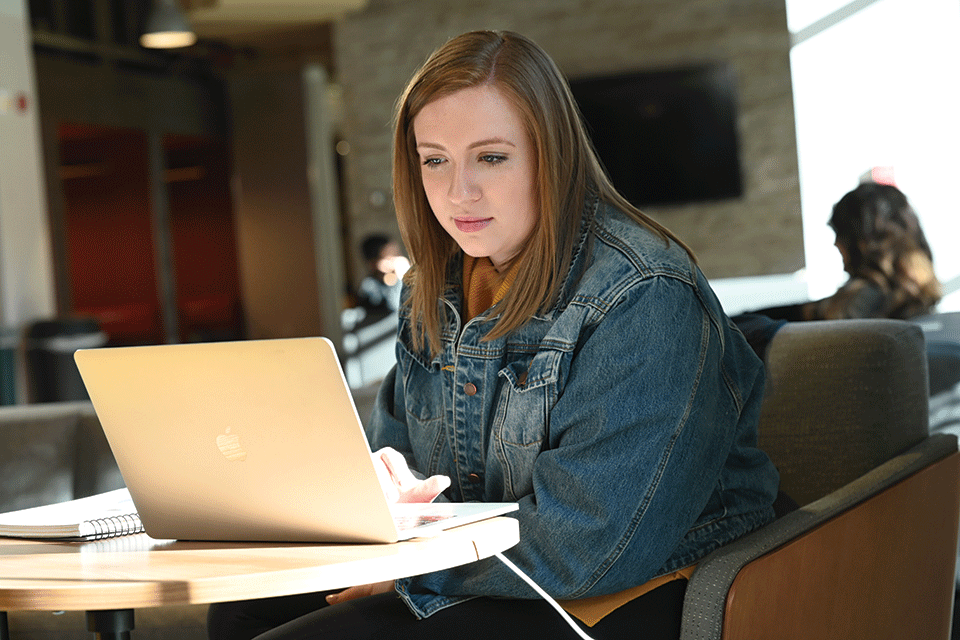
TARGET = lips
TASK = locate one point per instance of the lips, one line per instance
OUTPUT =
(472, 225)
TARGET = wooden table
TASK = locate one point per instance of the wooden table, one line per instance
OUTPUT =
(111, 578)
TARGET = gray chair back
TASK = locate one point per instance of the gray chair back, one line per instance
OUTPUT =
(842, 397)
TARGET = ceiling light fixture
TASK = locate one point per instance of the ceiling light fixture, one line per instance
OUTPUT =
(167, 27)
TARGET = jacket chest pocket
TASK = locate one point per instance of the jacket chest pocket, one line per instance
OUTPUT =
(425, 411)
(528, 389)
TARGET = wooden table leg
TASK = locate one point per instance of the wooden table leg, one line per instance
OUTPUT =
(4, 629)
(113, 624)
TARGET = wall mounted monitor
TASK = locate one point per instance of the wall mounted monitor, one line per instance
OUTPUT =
(666, 136)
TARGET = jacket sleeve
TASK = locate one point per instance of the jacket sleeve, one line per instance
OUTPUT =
(637, 441)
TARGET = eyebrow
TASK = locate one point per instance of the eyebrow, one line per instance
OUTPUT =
(478, 143)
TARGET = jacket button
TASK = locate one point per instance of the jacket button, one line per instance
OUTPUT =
(474, 478)
(470, 389)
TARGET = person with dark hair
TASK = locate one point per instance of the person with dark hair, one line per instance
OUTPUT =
(557, 348)
(379, 291)
(372, 245)
(886, 255)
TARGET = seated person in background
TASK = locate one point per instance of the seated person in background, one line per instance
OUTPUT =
(885, 253)
(379, 291)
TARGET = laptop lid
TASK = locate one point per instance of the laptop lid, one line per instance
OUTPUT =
(251, 440)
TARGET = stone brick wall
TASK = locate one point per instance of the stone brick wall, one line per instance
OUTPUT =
(377, 49)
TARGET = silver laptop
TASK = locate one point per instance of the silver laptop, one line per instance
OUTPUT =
(257, 440)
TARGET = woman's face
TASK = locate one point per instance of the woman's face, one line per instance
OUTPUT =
(844, 253)
(479, 170)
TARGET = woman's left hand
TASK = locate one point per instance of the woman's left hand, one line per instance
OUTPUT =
(398, 482)
(362, 591)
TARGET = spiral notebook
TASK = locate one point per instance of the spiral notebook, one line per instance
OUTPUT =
(105, 515)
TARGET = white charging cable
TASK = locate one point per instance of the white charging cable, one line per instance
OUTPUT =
(543, 594)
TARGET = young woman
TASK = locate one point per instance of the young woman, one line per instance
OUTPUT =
(556, 348)
(887, 256)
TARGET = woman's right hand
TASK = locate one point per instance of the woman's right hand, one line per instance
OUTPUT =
(398, 482)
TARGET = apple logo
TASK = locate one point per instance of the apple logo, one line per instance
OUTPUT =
(229, 444)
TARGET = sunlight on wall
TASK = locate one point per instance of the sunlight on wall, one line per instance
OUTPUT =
(878, 88)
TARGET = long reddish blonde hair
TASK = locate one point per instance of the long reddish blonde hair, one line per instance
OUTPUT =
(567, 167)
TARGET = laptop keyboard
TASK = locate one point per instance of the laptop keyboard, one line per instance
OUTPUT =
(407, 522)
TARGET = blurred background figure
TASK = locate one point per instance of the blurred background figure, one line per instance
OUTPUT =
(379, 291)
(886, 255)
(369, 323)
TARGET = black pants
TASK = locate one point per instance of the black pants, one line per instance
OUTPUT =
(653, 616)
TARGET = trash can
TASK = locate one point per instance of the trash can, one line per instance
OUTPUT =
(50, 346)
(9, 341)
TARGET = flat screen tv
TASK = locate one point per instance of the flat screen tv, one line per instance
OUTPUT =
(666, 136)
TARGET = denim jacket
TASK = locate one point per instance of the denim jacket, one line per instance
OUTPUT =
(623, 422)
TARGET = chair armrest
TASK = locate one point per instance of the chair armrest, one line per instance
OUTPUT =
(706, 598)
(37, 445)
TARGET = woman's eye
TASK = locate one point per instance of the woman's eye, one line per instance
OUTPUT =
(432, 162)
(493, 158)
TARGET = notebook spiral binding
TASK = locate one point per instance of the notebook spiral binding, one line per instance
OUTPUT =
(115, 526)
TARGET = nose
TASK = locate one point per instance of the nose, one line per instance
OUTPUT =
(463, 185)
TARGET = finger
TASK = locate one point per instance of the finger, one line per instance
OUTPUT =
(360, 591)
(425, 490)
(387, 483)
(350, 593)
(397, 467)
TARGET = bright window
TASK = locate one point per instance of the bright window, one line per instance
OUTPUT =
(877, 84)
